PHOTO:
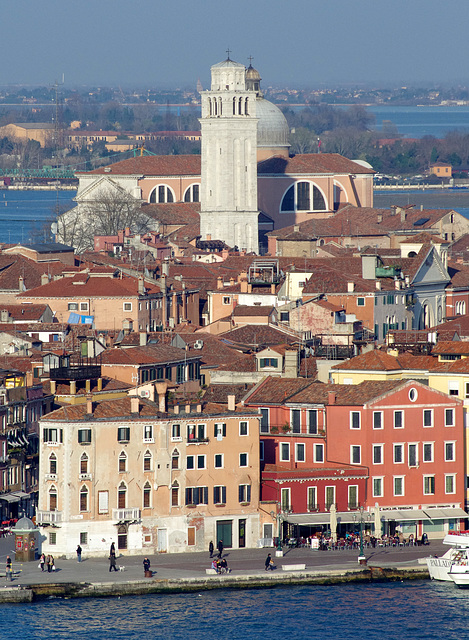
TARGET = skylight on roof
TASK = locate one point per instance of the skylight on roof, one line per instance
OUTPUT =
(421, 221)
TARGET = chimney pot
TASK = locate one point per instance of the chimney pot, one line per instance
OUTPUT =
(134, 404)
(231, 402)
(331, 397)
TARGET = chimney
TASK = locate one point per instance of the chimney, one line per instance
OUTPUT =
(231, 402)
(296, 228)
(188, 408)
(397, 284)
(378, 285)
(291, 363)
(100, 384)
(331, 397)
(89, 404)
(380, 218)
(134, 405)
(44, 278)
(73, 387)
(219, 282)
(161, 388)
(350, 287)
(143, 338)
(165, 268)
(176, 409)
(403, 215)
(21, 283)
(53, 386)
(141, 287)
(199, 408)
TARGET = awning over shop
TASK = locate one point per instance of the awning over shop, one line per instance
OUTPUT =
(435, 514)
(14, 496)
(311, 519)
(349, 517)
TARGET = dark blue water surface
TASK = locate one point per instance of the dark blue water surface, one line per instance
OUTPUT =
(404, 610)
(23, 214)
(416, 122)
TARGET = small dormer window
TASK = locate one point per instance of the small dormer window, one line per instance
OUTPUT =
(268, 362)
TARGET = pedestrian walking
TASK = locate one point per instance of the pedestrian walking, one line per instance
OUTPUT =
(210, 548)
(78, 553)
(112, 550)
(220, 548)
(42, 561)
(146, 567)
(269, 563)
(50, 564)
(9, 569)
(112, 562)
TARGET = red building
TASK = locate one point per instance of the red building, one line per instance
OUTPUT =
(395, 448)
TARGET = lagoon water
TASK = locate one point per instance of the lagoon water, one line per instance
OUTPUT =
(412, 610)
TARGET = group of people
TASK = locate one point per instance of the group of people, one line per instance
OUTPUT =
(220, 548)
(47, 562)
(220, 565)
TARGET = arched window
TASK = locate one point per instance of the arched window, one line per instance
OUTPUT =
(234, 106)
(147, 457)
(146, 495)
(161, 194)
(122, 536)
(303, 196)
(122, 496)
(122, 462)
(84, 463)
(240, 107)
(53, 464)
(220, 104)
(84, 498)
(175, 494)
(192, 193)
(175, 459)
(53, 498)
(246, 110)
(210, 106)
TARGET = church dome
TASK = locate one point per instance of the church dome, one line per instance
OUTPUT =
(272, 128)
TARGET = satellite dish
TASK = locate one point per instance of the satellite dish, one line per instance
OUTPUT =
(54, 228)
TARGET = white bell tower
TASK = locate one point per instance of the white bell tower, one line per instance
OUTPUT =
(228, 199)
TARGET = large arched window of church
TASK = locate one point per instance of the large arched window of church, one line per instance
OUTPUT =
(303, 196)
(161, 194)
(192, 193)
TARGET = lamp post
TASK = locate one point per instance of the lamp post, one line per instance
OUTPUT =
(279, 515)
(361, 517)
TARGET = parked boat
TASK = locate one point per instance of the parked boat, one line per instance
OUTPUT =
(439, 566)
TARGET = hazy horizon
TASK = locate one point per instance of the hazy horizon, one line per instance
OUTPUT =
(306, 43)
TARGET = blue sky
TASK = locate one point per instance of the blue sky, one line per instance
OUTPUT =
(173, 42)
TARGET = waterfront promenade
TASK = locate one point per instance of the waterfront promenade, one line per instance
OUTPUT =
(179, 572)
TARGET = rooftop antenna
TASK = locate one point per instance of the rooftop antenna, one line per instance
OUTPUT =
(58, 138)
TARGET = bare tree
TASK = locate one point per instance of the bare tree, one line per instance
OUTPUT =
(112, 210)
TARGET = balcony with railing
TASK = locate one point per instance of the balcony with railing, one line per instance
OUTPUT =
(126, 514)
(48, 517)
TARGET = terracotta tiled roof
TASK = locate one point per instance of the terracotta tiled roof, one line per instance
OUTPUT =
(325, 163)
(258, 336)
(174, 213)
(460, 325)
(370, 361)
(152, 166)
(159, 353)
(254, 311)
(244, 362)
(214, 351)
(14, 267)
(108, 384)
(24, 312)
(219, 393)
(455, 347)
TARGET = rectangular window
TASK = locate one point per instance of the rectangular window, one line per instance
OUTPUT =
(284, 451)
(377, 454)
(264, 421)
(52, 538)
(377, 419)
(360, 302)
(201, 462)
(377, 484)
(148, 433)
(449, 417)
(429, 485)
(226, 300)
(127, 306)
(353, 496)
(296, 420)
(190, 462)
(467, 389)
(412, 455)
(180, 374)
(450, 483)
(313, 421)
(218, 461)
(261, 451)
(52, 435)
(72, 306)
(398, 419)
(318, 453)
(83, 306)
(355, 454)
(219, 495)
(123, 434)
(398, 453)
(243, 428)
(84, 436)
(268, 362)
(300, 452)
(428, 451)
(450, 451)
(83, 537)
(355, 420)
(398, 485)
(219, 430)
(176, 432)
(244, 493)
(196, 495)
(453, 388)
(285, 499)
(428, 417)
(312, 498)
(330, 497)
(103, 501)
